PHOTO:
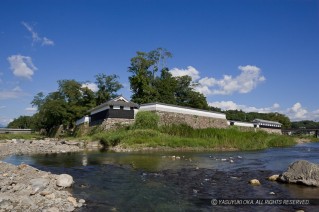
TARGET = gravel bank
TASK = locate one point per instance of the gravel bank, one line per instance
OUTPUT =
(25, 188)
(21, 146)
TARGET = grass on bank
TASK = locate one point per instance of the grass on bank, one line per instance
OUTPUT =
(146, 133)
(194, 138)
(26, 136)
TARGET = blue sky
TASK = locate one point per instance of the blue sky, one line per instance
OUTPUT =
(251, 55)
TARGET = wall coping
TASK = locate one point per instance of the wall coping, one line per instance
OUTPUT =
(181, 110)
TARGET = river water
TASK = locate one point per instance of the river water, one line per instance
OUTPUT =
(158, 181)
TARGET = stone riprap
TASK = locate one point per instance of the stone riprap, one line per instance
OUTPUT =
(24, 188)
(197, 122)
(301, 172)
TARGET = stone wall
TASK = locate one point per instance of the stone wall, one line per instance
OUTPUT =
(113, 123)
(252, 129)
(270, 130)
(197, 122)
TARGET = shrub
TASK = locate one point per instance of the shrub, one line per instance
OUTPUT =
(146, 120)
(177, 130)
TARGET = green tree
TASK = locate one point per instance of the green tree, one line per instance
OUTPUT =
(88, 98)
(77, 100)
(108, 86)
(239, 115)
(187, 96)
(70, 91)
(22, 122)
(216, 109)
(53, 112)
(141, 81)
(158, 59)
(71, 101)
(166, 86)
(38, 100)
(148, 87)
(304, 124)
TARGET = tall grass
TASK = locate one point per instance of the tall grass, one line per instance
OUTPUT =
(146, 120)
(183, 136)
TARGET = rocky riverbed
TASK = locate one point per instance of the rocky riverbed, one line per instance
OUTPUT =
(25, 188)
(22, 146)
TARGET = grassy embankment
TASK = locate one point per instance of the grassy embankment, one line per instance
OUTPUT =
(25, 136)
(145, 133)
(188, 138)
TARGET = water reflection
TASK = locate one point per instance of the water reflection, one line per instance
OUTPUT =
(174, 181)
(271, 159)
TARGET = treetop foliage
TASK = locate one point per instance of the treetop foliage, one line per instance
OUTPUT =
(305, 124)
(151, 81)
(239, 115)
(70, 102)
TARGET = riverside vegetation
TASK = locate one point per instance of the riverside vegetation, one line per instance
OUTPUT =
(146, 134)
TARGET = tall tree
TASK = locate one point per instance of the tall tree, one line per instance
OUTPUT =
(70, 90)
(38, 100)
(187, 96)
(142, 78)
(54, 113)
(147, 86)
(144, 67)
(166, 86)
(108, 87)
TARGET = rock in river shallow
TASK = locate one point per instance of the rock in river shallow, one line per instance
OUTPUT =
(254, 182)
(302, 172)
(64, 180)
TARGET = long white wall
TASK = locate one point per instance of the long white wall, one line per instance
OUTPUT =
(241, 124)
(182, 110)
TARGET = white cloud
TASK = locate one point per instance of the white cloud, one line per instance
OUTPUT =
(11, 94)
(47, 42)
(91, 86)
(36, 38)
(22, 66)
(297, 112)
(190, 71)
(245, 82)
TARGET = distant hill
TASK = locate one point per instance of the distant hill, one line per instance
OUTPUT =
(304, 124)
(2, 126)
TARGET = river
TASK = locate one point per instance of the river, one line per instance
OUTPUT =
(158, 181)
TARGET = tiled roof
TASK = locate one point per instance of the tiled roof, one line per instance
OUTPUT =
(265, 121)
(118, 101)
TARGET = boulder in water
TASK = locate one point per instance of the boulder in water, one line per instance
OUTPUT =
(301, 172)
(254, 182)
(273, 177)
(64, 180)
